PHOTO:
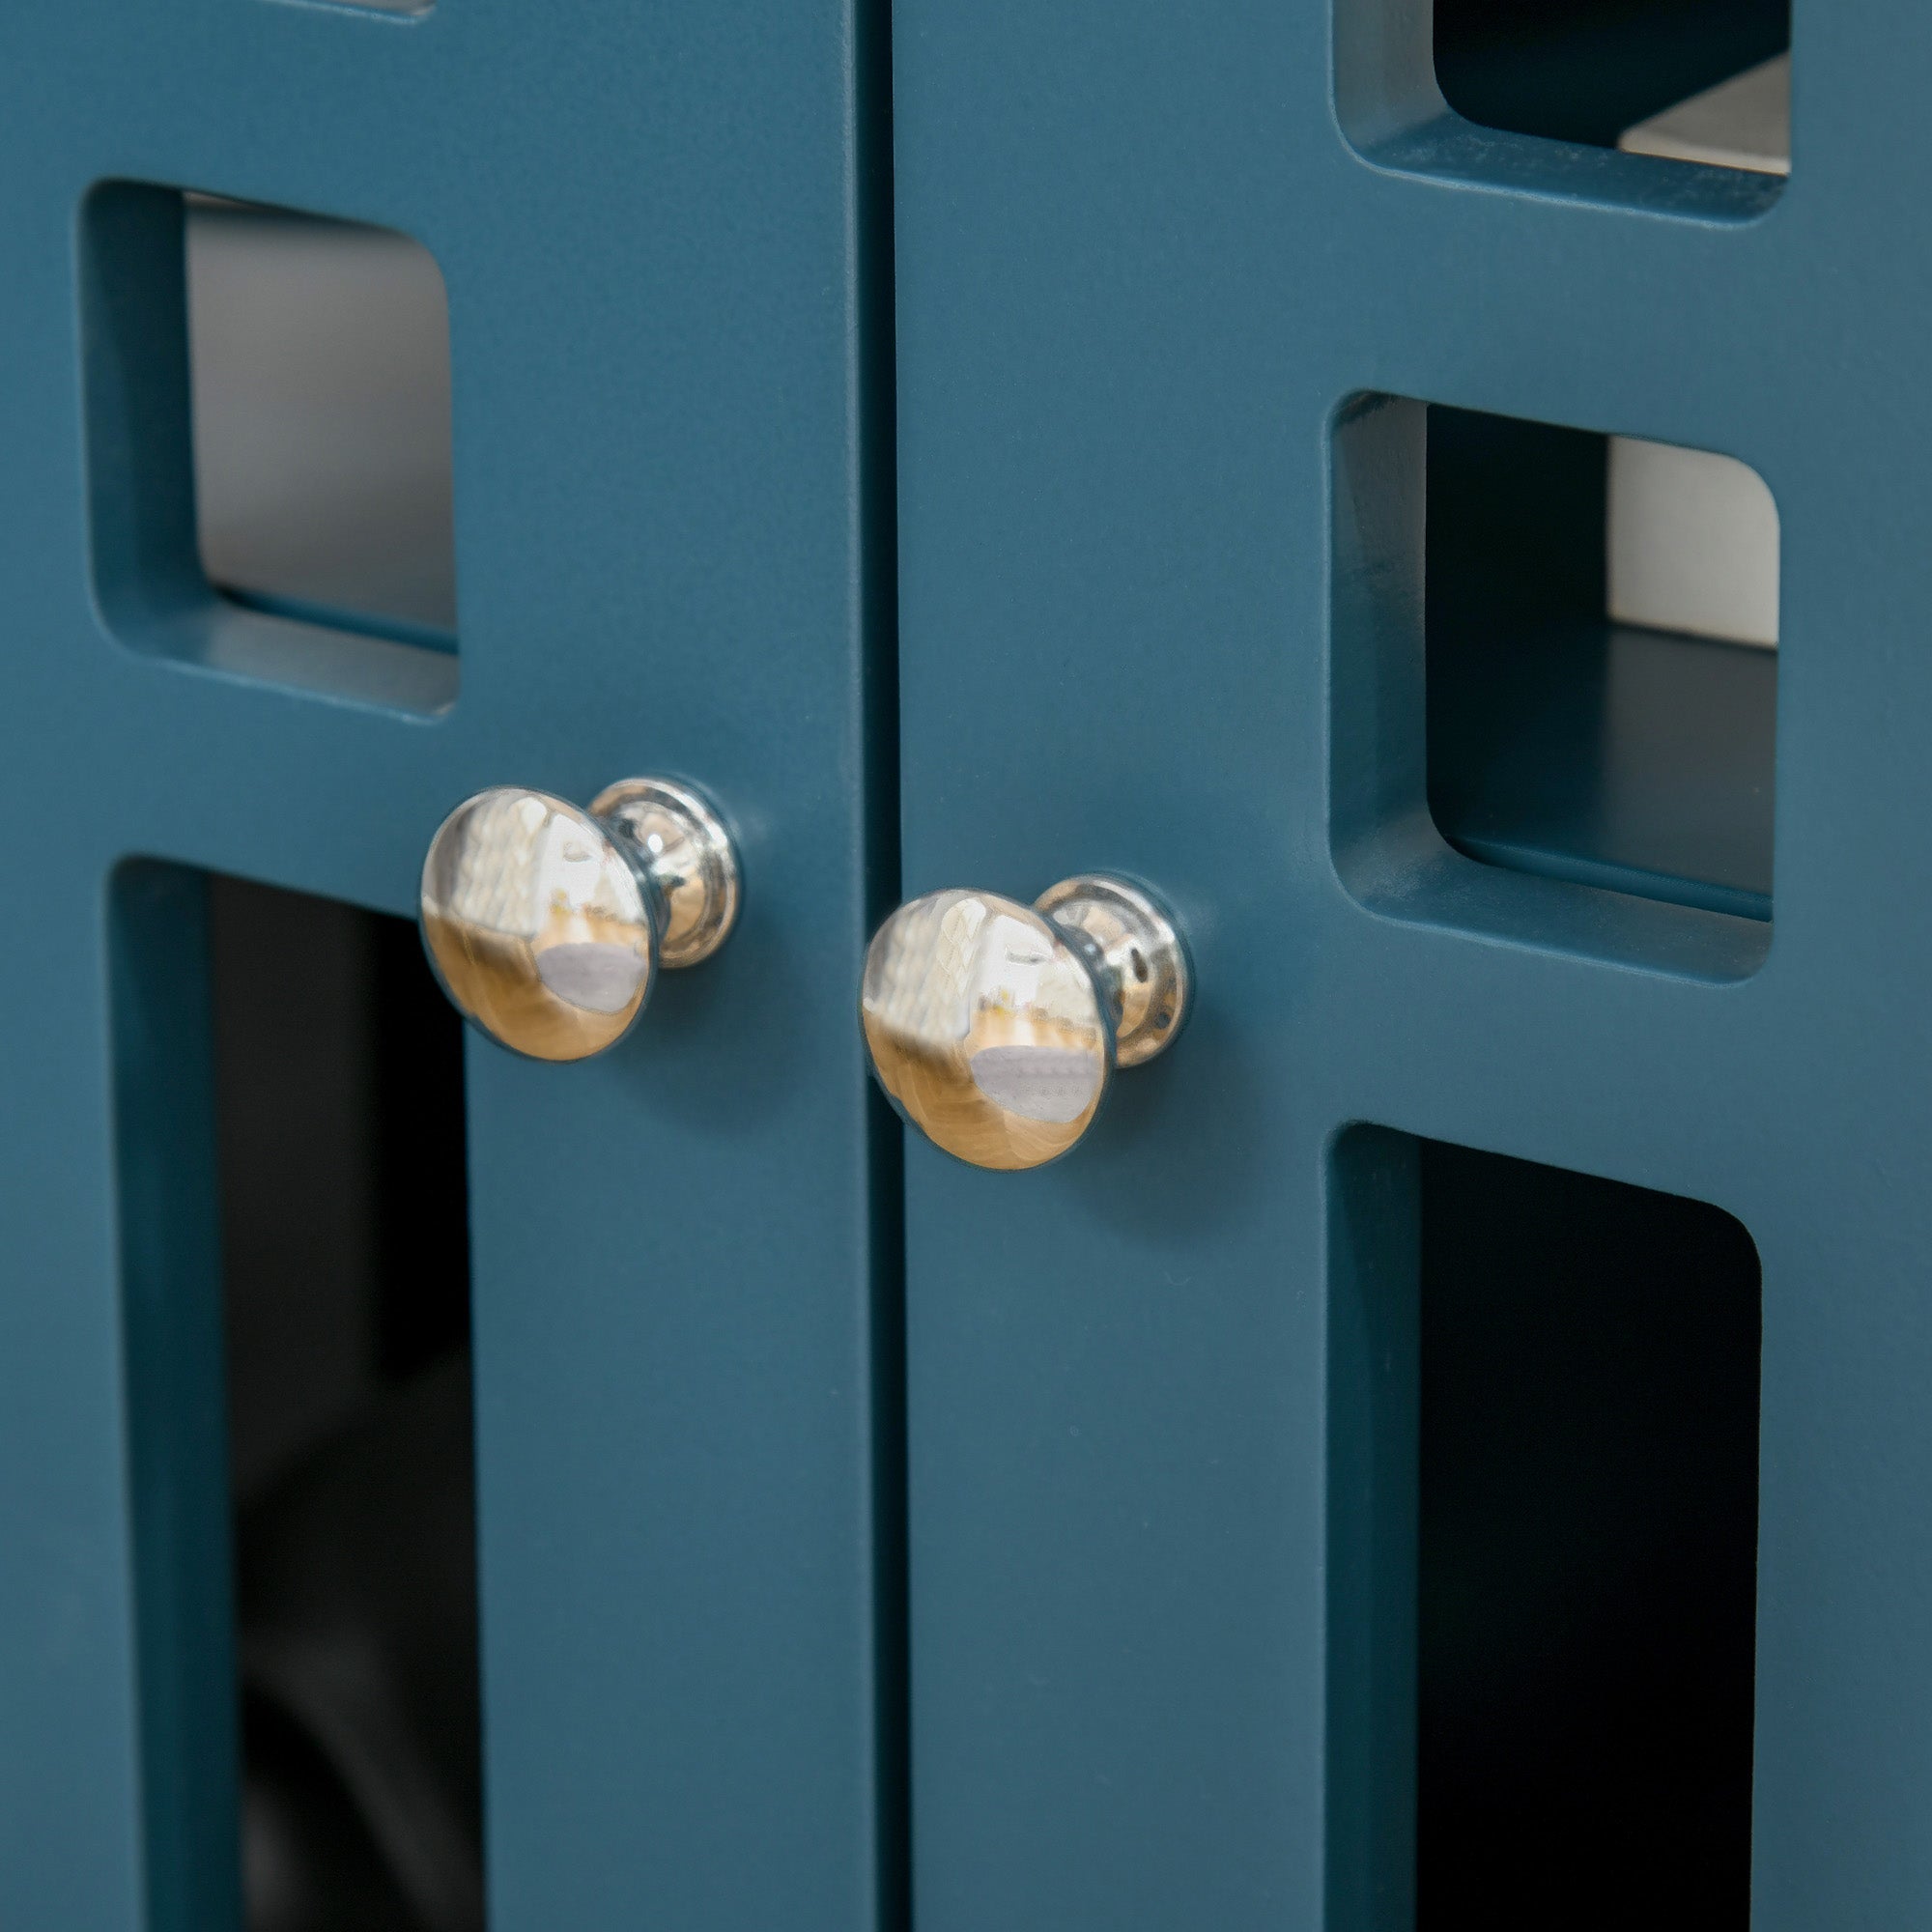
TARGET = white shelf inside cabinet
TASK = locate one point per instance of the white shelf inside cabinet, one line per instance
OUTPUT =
(1692, 536)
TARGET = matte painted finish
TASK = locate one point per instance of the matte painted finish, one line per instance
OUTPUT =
(645, 218)
(1141, 268)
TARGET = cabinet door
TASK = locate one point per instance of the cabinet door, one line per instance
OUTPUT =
(647, 221)
(1177, 283)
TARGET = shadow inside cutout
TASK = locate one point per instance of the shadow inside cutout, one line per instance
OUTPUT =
(289, 1090)
(1562, 98)
(1508, 757)
(1544, 1466)
(1585, 70)
(1562, 738)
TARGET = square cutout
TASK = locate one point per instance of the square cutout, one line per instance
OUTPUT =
(1544, 1412)
(1600, 703)
(268, 435)
(319, 358)
(1500, 92)
(290, 1128)
(1595, 71)
(1556, 656)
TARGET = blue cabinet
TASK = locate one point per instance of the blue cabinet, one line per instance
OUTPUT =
(1176, 286)
(978, 445)
(664, 345)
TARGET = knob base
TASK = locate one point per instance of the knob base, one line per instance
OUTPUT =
(1135, 952)
(681, 850)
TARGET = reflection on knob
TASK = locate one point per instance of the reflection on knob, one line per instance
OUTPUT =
(547, 924)
(996, 1025)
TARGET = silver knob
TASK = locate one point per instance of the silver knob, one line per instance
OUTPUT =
(994, 1027)
(546, 923)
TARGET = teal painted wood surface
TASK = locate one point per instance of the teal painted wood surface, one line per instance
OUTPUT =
(1158, 614)
(1148, 258)
(664, 331)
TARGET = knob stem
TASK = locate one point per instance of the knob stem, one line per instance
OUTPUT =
(683, 856)
(1132, 947)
